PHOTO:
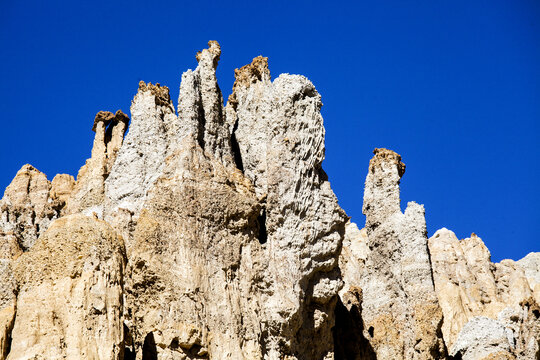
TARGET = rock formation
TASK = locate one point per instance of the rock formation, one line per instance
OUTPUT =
(70, 287)
(29, 205)
(212, 232)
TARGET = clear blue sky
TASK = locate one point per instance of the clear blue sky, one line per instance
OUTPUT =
(453, 86)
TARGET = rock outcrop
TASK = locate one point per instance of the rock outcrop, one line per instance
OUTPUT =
(29, 205)
(70, 287)
(479, 298)
(213, 233)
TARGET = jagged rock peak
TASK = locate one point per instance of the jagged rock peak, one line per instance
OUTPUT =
(249, 74)
(210, 55)
(88, 192)
(200, 106)
(385, 156)
(160, 92)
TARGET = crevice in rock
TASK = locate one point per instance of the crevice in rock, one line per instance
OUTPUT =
(149, 350)
(201, 124)
(7, 349)
(263, 233)
(129, 347)
(235, 147)
(349, 340)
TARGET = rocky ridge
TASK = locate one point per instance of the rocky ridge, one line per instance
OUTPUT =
(212, 232)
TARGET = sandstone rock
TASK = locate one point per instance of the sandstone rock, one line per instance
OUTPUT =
(26, 210)
(468, 285)
(7, 306)
(69, 302)
(61, 187)
(140, 159)
(389, 261)
(482, 338)
(193, 289)
(531, 266)
(251, 276)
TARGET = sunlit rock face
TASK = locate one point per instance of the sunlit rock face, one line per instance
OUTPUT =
(70, 287)
(210, 231)
(479, 298)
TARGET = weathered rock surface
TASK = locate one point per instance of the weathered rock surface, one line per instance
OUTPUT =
(215, 234)
(279, 135)
(469, 286)
(531, 266)
(70, 286)
(254, 273)
(389, 261)
(7, 305)
(140, 160)
(482, 338)
(28, 207)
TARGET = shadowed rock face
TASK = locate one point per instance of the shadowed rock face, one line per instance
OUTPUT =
(213, 233)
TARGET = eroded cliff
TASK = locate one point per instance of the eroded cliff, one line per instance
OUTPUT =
(212, 232)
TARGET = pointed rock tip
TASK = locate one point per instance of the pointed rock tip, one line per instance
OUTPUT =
(442, 232)
(249, 74)
(383, 155)
(27, 167)
(214, 50)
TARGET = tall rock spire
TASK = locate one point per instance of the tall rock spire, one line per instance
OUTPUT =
(200, 105)
(381, 193)
(88, 195)
(399, 309)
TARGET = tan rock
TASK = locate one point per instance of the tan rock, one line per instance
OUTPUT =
(531, 266)
(469, 285)
(26, 210)
(69, 303)
(194, 263)
(7, 306)
(61, 187)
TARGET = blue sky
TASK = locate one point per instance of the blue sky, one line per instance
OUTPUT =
(454, 87)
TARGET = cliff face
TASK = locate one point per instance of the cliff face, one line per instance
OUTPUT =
(212, 232)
